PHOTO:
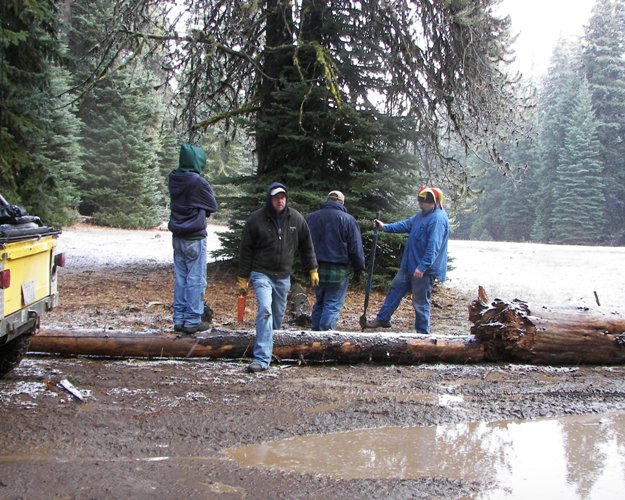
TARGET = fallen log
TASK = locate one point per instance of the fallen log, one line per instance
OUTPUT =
(515, 331)
(501, 332)
(293, 345)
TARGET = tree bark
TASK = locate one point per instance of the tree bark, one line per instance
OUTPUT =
(277, 60)
(295, 345)
(515, 331)
(501, 332)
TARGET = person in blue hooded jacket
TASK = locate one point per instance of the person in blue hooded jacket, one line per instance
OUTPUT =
(338, 243)
(191, 202)
(423, 261)
(271, 238)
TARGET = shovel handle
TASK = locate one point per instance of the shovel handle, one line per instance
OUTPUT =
(374, 244)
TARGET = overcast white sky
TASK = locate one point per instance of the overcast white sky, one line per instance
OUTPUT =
(539, 24)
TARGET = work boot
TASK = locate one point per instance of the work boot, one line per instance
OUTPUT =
(376, 323)
(255, 367)
(178, 328)
(190, 330)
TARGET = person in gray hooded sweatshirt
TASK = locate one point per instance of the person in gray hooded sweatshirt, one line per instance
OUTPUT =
(192, 203)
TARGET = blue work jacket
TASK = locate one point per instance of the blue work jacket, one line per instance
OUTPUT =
(426, 247)
(336, 236)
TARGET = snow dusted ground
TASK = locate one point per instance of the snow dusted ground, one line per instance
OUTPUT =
(540, 274)
(89, 246)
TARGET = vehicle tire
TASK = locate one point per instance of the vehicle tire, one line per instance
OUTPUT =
(12, 353)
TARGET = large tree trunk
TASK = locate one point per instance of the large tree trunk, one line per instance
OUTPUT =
(277, 59)
(547, 335)
(298, 345)
(502, 331)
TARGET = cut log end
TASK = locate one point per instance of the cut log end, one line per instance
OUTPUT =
(547, 335)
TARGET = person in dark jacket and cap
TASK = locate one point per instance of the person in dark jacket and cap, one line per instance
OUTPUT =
(337, 240)
(272, 235)
(191, 202)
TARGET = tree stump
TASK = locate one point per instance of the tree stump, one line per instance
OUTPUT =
(556, 335)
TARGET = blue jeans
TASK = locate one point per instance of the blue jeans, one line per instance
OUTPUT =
(421, 289)
(329, 302)
(189, 280)
(271, 294)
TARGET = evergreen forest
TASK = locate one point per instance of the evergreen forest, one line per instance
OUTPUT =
(372, 98)
(570, 184)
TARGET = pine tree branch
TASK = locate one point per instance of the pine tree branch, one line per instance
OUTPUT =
(246, 108)
(197, 37)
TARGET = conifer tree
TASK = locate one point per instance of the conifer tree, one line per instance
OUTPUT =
(502, 206)
(555, 100)
(604, 66)
(516, 213)
(520, 204)
(122, 114)
(578, 202)
(36, 131)
(341, 94)
(62, 151)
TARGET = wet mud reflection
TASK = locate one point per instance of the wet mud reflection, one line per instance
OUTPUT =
(569, 457)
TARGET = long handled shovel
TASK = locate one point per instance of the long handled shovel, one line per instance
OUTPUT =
(374, 244)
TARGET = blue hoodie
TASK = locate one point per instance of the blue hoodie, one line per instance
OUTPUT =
(192, 198)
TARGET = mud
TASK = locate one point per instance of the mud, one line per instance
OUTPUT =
(152, 428)
(166, 428)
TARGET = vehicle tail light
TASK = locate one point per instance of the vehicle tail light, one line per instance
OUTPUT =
(5, 278)
(59, 259)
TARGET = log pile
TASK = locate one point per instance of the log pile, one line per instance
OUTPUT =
(501, 332)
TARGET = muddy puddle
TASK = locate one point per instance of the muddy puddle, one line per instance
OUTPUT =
(568, 457)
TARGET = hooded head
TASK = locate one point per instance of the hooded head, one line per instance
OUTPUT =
(191, 159)
(277, 190)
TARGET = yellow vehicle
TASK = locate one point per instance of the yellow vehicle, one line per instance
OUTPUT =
(28, 280)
